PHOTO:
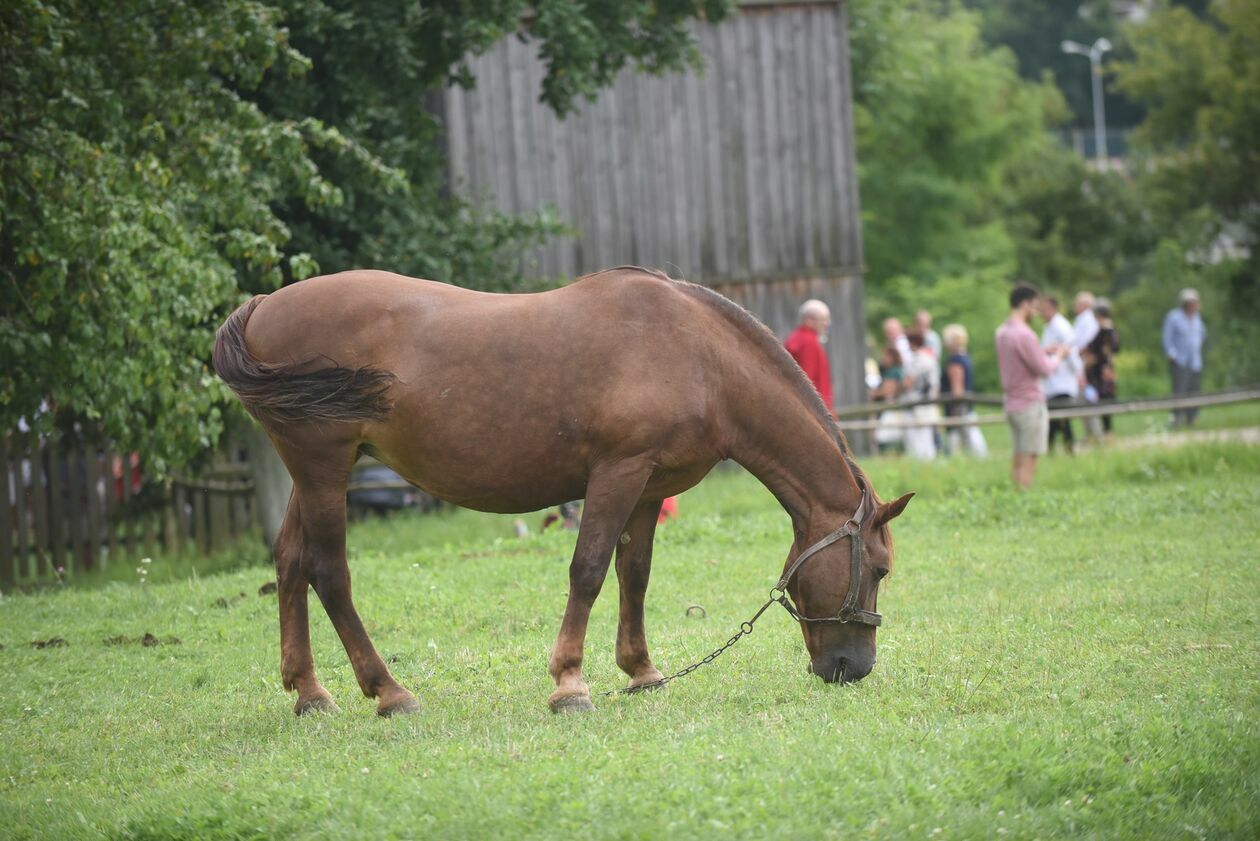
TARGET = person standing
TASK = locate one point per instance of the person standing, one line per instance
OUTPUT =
(806, 346)
(1063, 386)
(923, 382)
(1184, 333)
(1022, 363)
(1100, 367)
(923, 323)
(895, 336)
(1086, 324)
(889, 433)
(957, 380)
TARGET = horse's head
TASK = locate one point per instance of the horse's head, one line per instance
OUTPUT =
(834, 583)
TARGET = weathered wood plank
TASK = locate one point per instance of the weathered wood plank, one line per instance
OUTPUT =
(95, 513)
(76, 499)
(124, 528)
(12, 478)
(851, 255)
(26, 540)
(56, 507)
(37, 562)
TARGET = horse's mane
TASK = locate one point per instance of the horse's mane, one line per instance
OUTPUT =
(759, 335)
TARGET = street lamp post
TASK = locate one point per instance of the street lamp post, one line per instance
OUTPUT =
(1095, 54)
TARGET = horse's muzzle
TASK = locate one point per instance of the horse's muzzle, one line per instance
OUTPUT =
(838, 669)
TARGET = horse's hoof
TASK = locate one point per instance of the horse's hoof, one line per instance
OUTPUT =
(648, 683)
(570, 704)
(318, 704)
(404, 705)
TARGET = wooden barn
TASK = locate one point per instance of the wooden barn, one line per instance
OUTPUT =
(741, 176)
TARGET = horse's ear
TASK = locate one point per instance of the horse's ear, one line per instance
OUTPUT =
(890, 510)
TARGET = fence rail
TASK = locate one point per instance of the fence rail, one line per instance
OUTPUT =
(1077, 409)
(73, 508)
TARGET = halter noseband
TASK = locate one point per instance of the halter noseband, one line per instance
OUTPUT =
(849, 611)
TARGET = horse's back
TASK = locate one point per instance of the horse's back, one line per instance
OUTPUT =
(502, 401)
(369, 317)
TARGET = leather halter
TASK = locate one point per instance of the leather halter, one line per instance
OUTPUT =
(849, 611)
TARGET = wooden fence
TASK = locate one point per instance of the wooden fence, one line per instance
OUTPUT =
(70, 509)
(861, 418)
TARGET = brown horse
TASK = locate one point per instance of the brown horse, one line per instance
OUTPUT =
(625, 387)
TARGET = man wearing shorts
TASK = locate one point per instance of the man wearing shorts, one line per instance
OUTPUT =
(1022, 363)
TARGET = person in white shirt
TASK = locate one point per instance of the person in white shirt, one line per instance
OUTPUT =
(923, 382)
(1085, 327)
(1063, 386)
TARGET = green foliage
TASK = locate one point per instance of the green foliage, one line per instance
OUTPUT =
(1055, 664)
(1034, 29)
(964, 190)
(157, 162)
(1074, 228)
(1200, 81)
(136, 186)
(941, 121)
(373, 69)
(938, 117)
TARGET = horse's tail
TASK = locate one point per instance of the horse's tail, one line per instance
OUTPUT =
(292, 392)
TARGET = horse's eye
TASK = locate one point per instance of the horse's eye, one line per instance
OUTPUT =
(881, 573)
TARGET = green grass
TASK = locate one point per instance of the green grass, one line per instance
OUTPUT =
(1075, 661)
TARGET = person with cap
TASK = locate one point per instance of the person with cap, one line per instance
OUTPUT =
(806, 346)
(1184, 333)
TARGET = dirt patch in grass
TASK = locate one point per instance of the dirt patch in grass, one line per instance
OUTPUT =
(51, 642)
(147, 641)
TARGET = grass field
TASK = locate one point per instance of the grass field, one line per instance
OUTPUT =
(1076, 661)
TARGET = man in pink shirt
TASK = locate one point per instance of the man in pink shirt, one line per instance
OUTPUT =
(1022, 363)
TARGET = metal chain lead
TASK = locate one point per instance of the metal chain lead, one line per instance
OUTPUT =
(745, 629)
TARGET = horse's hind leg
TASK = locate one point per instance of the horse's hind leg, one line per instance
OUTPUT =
(297, 667)
(319, 483)
(634, 565)
(611, 494)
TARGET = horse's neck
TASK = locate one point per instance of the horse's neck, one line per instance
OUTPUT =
(781, 441)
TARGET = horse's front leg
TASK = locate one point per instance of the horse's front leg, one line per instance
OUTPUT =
(634, 566)
(611, 494)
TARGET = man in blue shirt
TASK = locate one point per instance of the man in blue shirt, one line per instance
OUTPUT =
(1183, 345)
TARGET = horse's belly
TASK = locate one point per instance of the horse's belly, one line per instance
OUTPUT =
(487, 472)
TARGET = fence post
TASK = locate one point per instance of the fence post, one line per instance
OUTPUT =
(74, 512)
(96, 528)
(56, 523)
(12, 490)
(170, 522)
(26, 542)
(272, 484)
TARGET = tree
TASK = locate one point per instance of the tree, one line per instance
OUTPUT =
(135, 189)
(1199, 79)
(157, 163)
(374, 66)
(1033, 31)
(940, 121)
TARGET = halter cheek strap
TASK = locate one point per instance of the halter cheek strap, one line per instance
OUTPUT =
(849, 611)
